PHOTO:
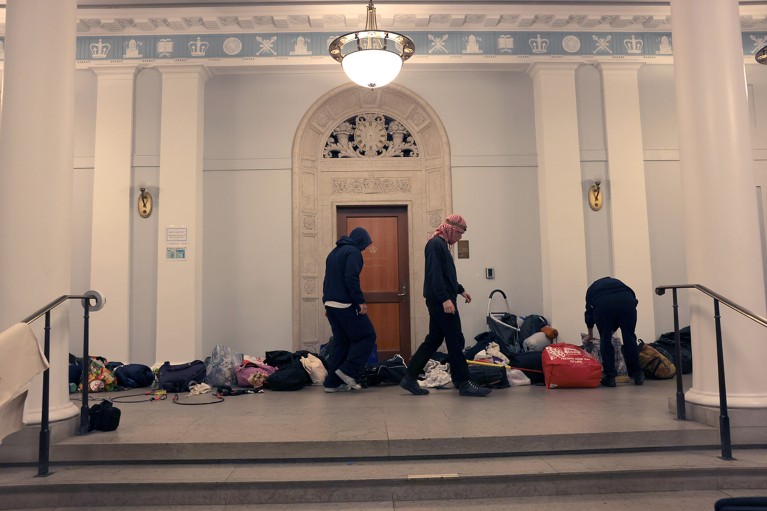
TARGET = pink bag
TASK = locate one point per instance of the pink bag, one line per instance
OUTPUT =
(252, 374)
(566, 365)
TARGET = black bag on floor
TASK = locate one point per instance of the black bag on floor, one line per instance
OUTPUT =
(487, 376)
(176, 378)
(389, 371)
(530, 363)
(104, 416)
(134, 375)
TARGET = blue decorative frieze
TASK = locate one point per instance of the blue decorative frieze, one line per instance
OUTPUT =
(447, 43)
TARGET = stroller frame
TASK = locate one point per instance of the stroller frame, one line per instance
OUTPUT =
(509, 334)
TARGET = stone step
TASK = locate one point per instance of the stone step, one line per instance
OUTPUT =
(368, 481)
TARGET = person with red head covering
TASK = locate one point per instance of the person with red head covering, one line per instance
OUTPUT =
(441, 290)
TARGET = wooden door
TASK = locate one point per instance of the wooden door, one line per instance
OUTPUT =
(385, 277)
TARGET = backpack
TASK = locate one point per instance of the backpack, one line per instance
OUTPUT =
(654, 363)
(134, 375)
(176, 378)
(103, 416)
(489, 376)
(532, 324)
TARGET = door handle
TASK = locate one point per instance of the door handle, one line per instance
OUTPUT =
(404, 290)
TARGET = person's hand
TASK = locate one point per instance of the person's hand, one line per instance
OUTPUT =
(466, 296)
(589, 337)
(448, 306)
(363, 308)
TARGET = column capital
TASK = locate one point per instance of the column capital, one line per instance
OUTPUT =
(538, 68)
(202, 72)
(619, 67)
(115, 72)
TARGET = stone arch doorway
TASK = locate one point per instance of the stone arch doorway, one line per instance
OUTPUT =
(336, 164)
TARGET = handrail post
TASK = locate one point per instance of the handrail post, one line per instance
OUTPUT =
(43, 457)
(724, 420)
(84, 411)
(681, 406)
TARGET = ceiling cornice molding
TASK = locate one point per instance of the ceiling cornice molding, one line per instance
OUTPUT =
(279, 17)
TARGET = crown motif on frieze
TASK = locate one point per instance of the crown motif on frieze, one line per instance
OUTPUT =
(539, 44)
(633, 45)
(198, 48)
(100, 50)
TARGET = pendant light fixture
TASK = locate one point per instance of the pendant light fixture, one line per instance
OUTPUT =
(372, 57)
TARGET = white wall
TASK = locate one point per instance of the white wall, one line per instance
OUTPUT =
(501, 208)
(250, 122)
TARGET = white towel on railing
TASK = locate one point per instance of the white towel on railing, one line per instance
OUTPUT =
(22, 359)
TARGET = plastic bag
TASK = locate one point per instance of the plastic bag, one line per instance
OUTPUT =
(223, 362)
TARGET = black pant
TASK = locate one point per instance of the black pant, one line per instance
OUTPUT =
(353, 341)
(442, 327)
(609, 318)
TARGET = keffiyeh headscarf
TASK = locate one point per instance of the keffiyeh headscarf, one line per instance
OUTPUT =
(451, 229)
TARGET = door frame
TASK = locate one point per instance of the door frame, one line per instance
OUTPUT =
(344, 212)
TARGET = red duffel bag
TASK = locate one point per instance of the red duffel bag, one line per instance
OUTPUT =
(566, 365)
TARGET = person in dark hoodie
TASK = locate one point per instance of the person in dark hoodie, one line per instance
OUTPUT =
(353, 334)
(610, 305)
(441, 290)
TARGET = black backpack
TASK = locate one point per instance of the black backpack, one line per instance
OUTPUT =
(176, 378)
(104, 416)
(134, 375)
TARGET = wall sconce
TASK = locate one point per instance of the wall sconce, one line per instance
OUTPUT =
(595, 196)
(145, 203)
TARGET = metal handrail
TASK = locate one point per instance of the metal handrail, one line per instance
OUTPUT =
(724, 419)
(43, 459)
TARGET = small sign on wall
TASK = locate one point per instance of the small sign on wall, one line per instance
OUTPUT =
(463, 249)
(176, 234)
(176, 237)
(175, 253)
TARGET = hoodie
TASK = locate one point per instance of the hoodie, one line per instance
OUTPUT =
(343, 267)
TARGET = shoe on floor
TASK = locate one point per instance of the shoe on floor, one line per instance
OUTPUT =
(639, 378)
(469, 388)
(348, 380)
(341, 388)
(412, 386)
(608, 381)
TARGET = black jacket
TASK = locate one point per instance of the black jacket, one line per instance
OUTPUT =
(607, 291)
(342, 269)
(440, 281)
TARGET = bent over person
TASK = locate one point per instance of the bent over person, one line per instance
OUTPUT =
(441, 290)
(610, 305)
(353, 334)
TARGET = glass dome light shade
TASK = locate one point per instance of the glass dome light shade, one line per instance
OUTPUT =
(372, 68)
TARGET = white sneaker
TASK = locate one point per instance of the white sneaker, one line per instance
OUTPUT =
(348, 380)
(341, 388)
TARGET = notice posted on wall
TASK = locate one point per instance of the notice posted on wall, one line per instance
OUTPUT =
(175, 253)
(176, 238)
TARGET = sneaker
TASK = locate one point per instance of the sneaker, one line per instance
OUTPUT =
(348, 380)
(608, 381)
(639, 378)
(341, 388)
(469, 388)
(412, 386)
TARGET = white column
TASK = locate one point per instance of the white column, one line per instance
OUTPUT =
(111, 234)
(179, 206)
(563, 245)
(720, 212)
(36, 153)
(627, 198)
